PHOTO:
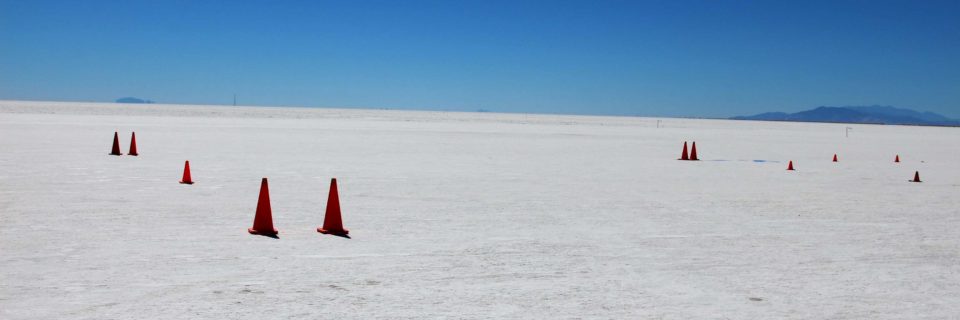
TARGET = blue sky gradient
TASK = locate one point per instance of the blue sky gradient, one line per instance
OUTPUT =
(657, 58)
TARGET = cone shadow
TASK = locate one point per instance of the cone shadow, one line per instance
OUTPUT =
(339, 234)
(275, 236)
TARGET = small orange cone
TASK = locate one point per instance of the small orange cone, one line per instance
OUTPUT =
(693, 151)
(332, 224)
(790, 165)
(186, 173)
(263, 221)
(834, 157)
(684, 155)
(916, 177)
(115, 151)
(897, 159)
(133, 144)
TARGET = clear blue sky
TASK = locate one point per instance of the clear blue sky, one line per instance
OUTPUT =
(662, 58)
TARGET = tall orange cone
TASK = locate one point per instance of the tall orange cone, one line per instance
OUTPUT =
(684, 155)
(834, 157)
(693, 151)
(186, 173)
(916, 177)
(133, 144)
(263, 221)
(115, 151)
(790, 165)
(331, 221)
(897, 159)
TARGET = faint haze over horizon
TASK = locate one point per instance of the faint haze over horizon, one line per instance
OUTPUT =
(652, 58)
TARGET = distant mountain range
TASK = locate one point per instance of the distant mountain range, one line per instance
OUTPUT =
(133, 100)
(858, 114)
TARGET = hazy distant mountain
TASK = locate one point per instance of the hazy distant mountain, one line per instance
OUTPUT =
(133, 100)
(858, 114)
(891, 111)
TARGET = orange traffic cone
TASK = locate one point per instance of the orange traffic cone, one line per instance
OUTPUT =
(263, 221)
(133, 144)
(115, 151)
(693, 151)
(790, 165)
(897, 159)
(332, 224)
(684, 155)
(916, 177)
(186, 173)
(834, 157)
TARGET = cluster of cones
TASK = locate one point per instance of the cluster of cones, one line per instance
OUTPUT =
(896, 159)
(332, 223)
(916, 174)
(693, 152)
(115, 150)
(263, 219)
(692, 156)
